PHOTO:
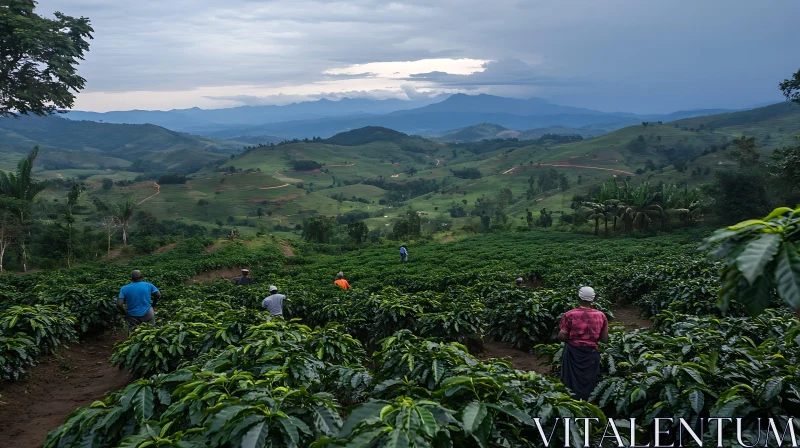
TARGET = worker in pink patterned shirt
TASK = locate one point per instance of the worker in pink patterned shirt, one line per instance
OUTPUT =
(582, 328)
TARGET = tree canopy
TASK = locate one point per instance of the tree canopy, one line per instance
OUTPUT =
(791, 87)
(39, 58)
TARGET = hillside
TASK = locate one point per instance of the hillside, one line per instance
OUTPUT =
(379, 172)
(488, 131)
(87, 145)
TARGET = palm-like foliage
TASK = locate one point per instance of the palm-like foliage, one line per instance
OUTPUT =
(596, 212)
(642, 208)
(21, 184)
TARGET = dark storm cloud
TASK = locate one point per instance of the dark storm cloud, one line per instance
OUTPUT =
(613, 55)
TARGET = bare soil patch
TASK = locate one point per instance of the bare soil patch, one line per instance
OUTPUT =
(71, 378)
(287, 251)
(217, 274)
(288, 197)
(519, 359)
(213, 248)
(165, 248)
(448, 239)
(629, 317)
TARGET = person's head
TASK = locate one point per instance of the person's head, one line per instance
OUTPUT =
(245, 272)
(339, 276)
(136, 275)
(273, 289)
(586, 295)
(519, 280)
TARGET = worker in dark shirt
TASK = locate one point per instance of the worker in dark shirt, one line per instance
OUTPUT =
(245, 279)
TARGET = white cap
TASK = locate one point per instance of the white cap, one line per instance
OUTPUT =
(245, 270)
(273, 288)
(586, 293)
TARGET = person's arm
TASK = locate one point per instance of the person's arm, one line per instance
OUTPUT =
(604, 332)
(155, 294)
(121, 302)
(563, 333)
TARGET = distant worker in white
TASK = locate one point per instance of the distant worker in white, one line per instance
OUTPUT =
(274, 302)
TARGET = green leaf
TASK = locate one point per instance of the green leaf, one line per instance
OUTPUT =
(757, 254)
(437, 370)
(325, 420)
(516, 413)
(748, 223)
(428, 421)
(291, 430)
(365, 438)
(256, 437)
(787, 275)
(772, 388)
(697, 400)
(473, 415)
(778, 212)
(359, 414)
(397, 439)
(222, 417)
(143, 405)
(755, 297)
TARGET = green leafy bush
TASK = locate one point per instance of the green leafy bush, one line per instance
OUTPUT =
(49, 326)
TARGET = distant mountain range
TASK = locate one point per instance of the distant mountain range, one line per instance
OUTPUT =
(430, 116)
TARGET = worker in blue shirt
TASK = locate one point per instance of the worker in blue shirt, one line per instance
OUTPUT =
(403, 254)
(136, 301)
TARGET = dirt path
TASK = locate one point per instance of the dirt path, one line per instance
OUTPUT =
(287, 251)
(629, 317)
(568, 165)
(61, 383)
(344, 164)
(163, 249)
(216, 274)
(437, 160)
(519, 359)
(154, 194)
(272, 188)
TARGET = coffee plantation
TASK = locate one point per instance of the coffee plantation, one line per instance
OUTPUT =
(398, 361)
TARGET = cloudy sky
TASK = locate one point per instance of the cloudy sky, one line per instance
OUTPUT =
(612, 55)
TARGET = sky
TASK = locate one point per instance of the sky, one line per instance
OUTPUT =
(612, 55)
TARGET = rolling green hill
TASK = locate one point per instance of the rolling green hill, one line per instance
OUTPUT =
(380, 172)
(488, 131)
(87, 145)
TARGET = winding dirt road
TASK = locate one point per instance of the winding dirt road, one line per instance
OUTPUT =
(147, 198)
(271, 188)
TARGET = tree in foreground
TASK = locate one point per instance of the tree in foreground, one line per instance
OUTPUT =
(39, 59)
